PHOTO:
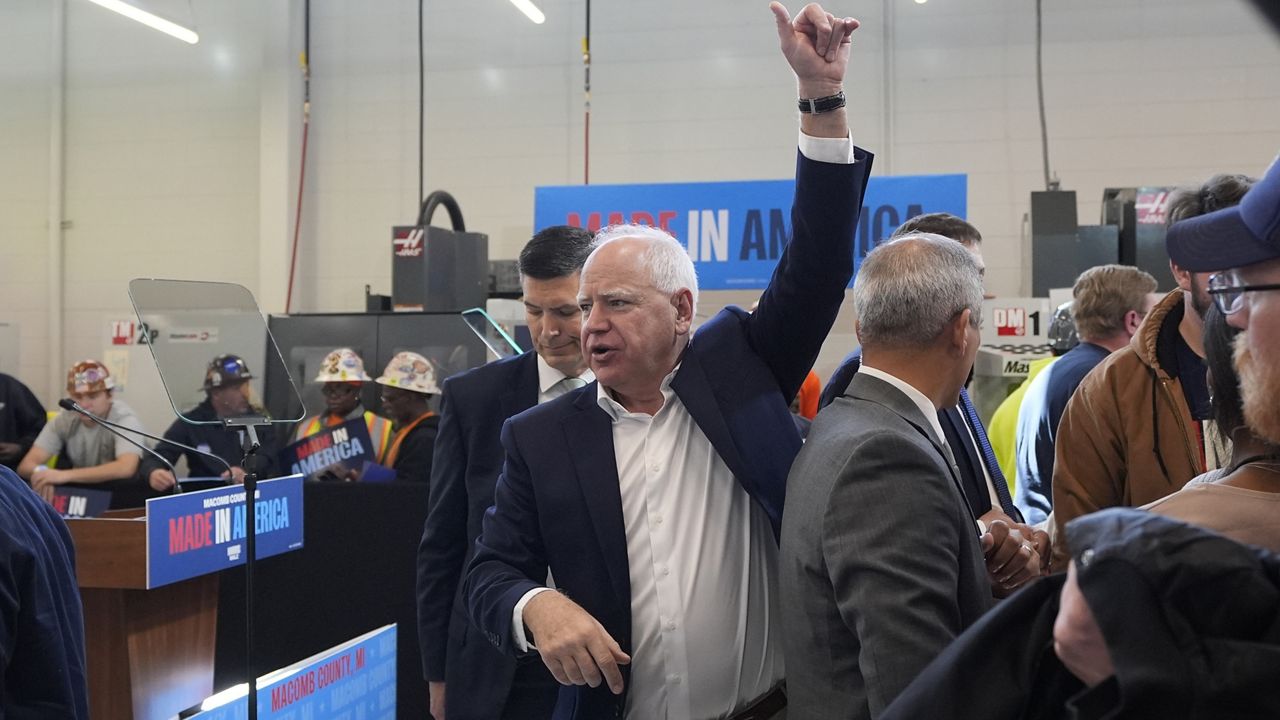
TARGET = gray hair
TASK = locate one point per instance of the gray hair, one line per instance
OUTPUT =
(909, 288)
(669, 264)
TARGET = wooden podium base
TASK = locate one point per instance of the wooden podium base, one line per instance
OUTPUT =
(150, 652)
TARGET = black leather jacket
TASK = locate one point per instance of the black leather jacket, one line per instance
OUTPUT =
(1192, 621)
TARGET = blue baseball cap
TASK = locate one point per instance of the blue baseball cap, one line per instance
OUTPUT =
(1233, 237)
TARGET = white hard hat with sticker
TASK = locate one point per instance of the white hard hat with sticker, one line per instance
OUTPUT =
(410, 371)
(342, 365)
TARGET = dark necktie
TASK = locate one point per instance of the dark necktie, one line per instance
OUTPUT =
(989, 457)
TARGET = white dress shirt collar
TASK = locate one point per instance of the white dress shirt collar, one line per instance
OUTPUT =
(615, 409)
(918, 398)
(549, 376)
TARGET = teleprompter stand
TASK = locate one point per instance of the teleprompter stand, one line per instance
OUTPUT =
(253, 462)
(191, 323)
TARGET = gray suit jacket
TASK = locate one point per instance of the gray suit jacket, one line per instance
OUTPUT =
(880, 563)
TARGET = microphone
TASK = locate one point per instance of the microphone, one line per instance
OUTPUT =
(114, 429)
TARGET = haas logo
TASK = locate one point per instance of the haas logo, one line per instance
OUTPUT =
(410, 245)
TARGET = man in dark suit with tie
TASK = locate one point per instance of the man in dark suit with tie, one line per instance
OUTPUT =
(649, 493)
(881, 564)
(482, 683)
(985, 488)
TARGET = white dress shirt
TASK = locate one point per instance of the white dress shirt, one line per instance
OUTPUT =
(703, 567)
(702, 558)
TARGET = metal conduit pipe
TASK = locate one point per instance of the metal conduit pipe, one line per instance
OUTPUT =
(57, 87)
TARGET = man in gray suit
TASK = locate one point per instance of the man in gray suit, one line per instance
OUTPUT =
(881, 562)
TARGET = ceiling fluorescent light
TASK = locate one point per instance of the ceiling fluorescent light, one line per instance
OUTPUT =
(152, 21)
(527, 7)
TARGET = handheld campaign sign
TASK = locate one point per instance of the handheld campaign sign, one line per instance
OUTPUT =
(735, 231)
(342, 450)
(201, 532)
(74, 502)
(356, 679)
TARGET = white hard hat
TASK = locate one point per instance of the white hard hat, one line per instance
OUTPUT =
(410, 371)
(342, 365)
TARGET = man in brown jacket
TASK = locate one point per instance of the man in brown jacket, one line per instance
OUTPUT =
(1135, 430)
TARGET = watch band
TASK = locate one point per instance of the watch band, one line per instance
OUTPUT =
(820, 105)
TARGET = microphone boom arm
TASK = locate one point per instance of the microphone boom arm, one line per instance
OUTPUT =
(115, 429)
(72, 405)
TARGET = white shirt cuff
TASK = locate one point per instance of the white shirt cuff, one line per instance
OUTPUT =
(829, 150)
(517, 620)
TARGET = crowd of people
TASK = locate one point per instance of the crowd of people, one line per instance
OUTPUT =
(628, 521)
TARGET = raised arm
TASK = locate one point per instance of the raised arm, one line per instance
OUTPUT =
(800, 304)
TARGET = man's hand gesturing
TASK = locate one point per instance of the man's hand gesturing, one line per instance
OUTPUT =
(574, 646)
(816, 44)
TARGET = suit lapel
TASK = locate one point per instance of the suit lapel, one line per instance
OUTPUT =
(589, 434)
(974, 481)
(693, 388)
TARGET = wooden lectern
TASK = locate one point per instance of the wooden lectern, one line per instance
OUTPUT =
(150, 652)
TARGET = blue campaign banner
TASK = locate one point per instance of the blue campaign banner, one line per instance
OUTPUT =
(355, 680)
(735, 231)
(196, 533)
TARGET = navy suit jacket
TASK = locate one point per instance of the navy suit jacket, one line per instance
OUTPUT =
(968, 457)
(468, 460)
(558, 502)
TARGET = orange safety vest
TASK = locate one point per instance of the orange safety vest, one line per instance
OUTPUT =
(379, 431)
(394, 453)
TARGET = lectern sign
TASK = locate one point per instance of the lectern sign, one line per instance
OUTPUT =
(356, 679)
(202, 532)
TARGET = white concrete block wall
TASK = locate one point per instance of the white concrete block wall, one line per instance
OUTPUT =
(24, 180)
(167, 145)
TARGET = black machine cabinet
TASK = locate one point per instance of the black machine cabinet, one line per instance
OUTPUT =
(304, 340)
(1132, 233)
(1140, 215)
(436, 269)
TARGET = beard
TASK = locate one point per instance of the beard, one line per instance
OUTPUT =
(1259, 391)
(1200, 298)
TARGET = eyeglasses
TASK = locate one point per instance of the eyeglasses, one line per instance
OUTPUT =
(1228, 290)
(338, 389)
